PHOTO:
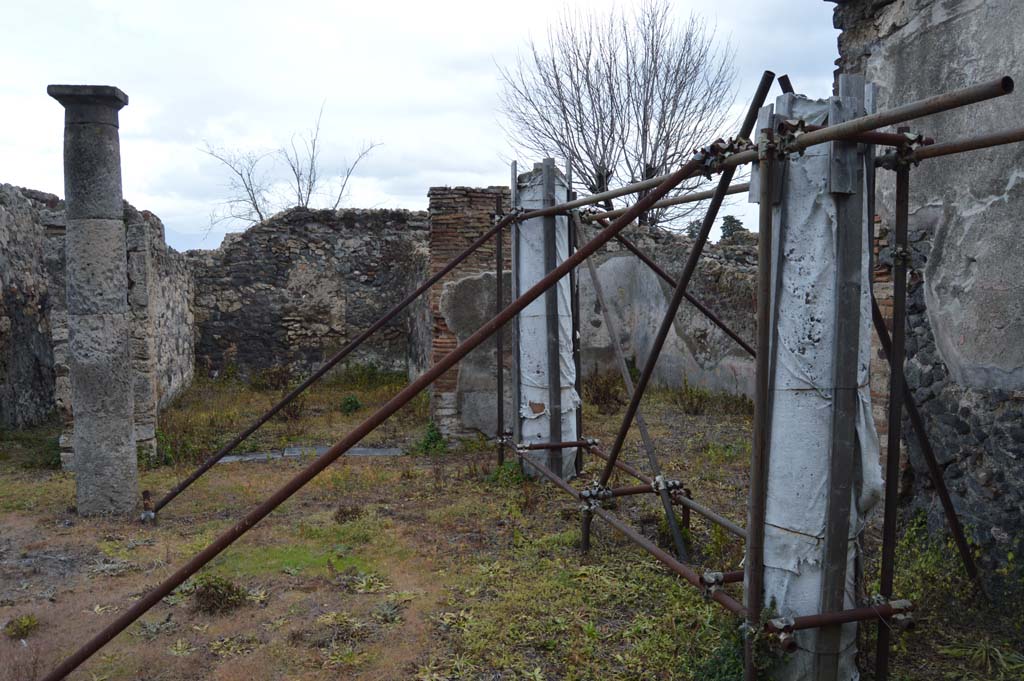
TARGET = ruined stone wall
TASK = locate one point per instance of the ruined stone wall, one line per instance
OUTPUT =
(295, 289)
(26, 354)
(159, 294)
(966, 296)
(464, 398)
(696, 351)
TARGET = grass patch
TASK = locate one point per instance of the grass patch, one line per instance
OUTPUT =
(211, 411)
(36, 491)
(695, 400)
(541, 612)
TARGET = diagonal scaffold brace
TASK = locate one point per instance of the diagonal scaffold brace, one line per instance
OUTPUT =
(767, 78)
(645, 435)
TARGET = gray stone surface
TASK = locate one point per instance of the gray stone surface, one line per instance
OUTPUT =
(696, 351)
(92, 173)
(99, 358)
(96, 282)
(466, 304)
(966, 307)
(26, 355)
(295, 289)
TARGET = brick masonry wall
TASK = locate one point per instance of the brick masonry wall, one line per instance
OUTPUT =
(458, 216)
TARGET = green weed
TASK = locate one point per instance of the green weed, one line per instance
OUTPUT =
(431, 444)
(350, 404)
(21, 626)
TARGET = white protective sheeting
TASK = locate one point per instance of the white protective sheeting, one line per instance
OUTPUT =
(802, 414)
(534, 411)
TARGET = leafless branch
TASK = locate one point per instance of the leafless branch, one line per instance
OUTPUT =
(625, 96)
(364, 151)
(253, 194)
(248, 186)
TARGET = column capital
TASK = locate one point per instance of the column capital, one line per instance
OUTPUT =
(89, 103)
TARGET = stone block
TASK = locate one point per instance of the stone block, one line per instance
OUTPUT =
(92, 172)
(106, 465)
(97, 270)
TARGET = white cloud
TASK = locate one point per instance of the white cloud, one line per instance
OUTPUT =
(418, 77)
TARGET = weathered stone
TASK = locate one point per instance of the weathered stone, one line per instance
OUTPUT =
(26, 356)
(97, 288)
(278, 293)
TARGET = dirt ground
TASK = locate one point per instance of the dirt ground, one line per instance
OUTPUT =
(435, 565)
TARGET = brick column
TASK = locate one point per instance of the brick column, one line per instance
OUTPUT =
(458, 216)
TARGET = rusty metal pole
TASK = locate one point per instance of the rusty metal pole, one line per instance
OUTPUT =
(754, 586)
(680, 499)
(684, 571)
(553, 327)
(516, 266)
(692, 197)
(229, 536)
(900, 256)
(923, 107)
(846, 186)
(499, 352)
(668, 320)
(574, 293)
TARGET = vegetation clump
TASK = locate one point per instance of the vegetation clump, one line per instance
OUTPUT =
(21, 626)
(350, 404)
(606, 391)
(214, 595)
(508, 474)
(347, 512)
(697, 401)
(432, 443)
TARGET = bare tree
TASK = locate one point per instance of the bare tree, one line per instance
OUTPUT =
(256, 187)
(248, 186)
(626, 97)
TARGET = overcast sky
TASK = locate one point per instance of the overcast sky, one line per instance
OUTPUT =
(418, 77)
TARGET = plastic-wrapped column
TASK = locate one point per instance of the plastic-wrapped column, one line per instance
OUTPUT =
(534, 411)
(798, 474)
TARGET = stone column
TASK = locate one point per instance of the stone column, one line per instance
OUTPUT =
(99, 359)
